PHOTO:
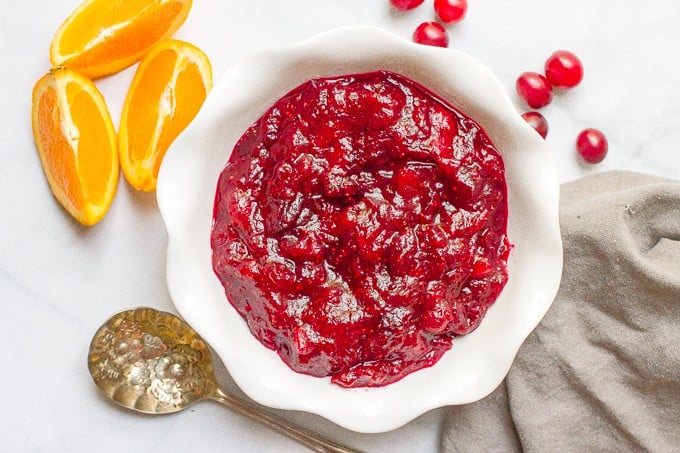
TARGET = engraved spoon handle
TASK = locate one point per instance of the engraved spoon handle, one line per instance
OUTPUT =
(307, 438)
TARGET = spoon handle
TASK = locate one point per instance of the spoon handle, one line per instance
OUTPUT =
(305, 437)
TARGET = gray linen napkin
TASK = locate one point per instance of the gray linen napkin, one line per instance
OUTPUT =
(602, 370)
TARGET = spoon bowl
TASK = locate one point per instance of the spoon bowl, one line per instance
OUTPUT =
(151, 361)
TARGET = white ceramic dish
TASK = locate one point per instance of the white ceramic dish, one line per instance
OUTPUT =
(478, 362)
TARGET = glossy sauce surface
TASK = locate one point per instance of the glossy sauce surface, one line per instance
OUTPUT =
(359, 226)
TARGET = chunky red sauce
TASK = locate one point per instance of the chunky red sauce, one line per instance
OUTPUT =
(359, 226)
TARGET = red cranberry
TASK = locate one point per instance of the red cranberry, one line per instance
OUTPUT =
(592, 145)
(537, 121)
(432, 34)
(450, 11)
(405, 5)
(563, 69)
(534, 89)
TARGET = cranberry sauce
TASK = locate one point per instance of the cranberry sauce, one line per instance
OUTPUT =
(360, 225)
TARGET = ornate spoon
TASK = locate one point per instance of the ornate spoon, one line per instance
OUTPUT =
(153, 362)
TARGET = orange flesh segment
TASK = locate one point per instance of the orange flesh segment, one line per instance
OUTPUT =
(103, 36)
(151, 91)
(93, 170)
(167, 92)
(61, 165)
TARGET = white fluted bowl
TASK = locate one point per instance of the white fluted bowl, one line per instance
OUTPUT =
(478, 362)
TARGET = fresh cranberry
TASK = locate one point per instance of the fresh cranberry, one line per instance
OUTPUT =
(450, 11)
(405, 5)
(592, 145)
(534, 89)
(537, 121)
(432, 34)
(563, 69)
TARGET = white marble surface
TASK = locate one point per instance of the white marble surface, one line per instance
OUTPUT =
(59, 281)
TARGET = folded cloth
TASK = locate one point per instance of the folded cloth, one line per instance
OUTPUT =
(601, 372)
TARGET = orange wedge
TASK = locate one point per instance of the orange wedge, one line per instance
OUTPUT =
(76, 142)
(102, 37)
(168, 89)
